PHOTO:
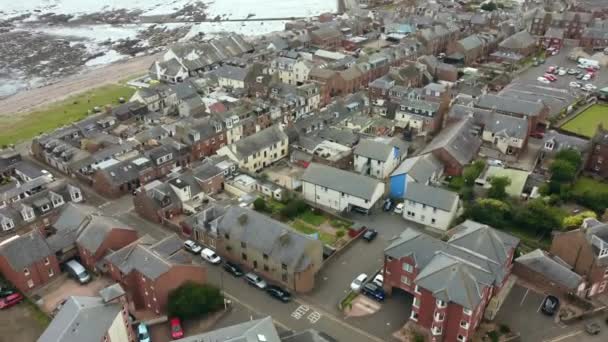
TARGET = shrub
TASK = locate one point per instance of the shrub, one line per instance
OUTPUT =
(340, 233)
(260, 204)
(493, 335)
(504, 329)
(418, 338)
(575, 221)
(293, 208)
(192, 300)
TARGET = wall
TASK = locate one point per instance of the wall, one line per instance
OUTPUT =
(39, 273)
(118, 331)
(335, 200)
(177, 275)
(398, 184)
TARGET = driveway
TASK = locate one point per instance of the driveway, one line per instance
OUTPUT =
(64, 287)
(19, 323)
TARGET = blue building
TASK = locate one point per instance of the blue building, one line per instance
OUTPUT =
(423, 169)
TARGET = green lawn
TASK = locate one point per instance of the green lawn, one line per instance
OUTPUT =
(309, 217)
(304, 228)
(585, 184)
(586, 122)
(27, 125)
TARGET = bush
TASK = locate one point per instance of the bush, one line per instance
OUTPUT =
(489, 6)
(192, 300)
(575, 221)
(504, 329)
(490, 211)
(293, 208)
(493, 335)
(340, 233)
(260, 204)
(418, 338)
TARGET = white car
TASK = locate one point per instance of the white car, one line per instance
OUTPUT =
(575, 85)
(210, 256)
(562, 71)
(357, 284)
(587, 77)
(543, 80)
(399, 208)
(378, 279)
(192, 246)
(590, 87)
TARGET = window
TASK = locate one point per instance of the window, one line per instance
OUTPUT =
(467, 311)
(406, 280)
(606, 273)
(47, 261)
(265, 256)
(432, 220)
(416, 302)
(30, 283)
(284, 277)
(266, 268)
(436, 330)
(51, 272)
(439, 317)
(602, 286)
(26, 272)
(417, 289)
(255, 264)
(414, 316)
(464, 324)
(227, 236)
(243, 245)
(461, 338)
(284, 266)
(408, 268)
(441, 304)
(244, 256)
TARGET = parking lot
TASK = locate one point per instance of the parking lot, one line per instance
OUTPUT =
(521, 312)
(64, 287)
(557, 95)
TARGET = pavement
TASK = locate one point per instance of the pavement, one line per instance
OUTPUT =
(521, 312)
(19, 323)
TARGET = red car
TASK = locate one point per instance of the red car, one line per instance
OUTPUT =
(10, 300)
(537, 135)
(176, 328)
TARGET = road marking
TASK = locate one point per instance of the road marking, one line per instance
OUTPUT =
(300, 311)
(524, 297)
(559, 338)
(369, 336)
(314, 317)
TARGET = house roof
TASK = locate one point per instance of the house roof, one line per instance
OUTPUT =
(420, 168)
(541, 262)
(374, 149)
(343, 181)
(81, 319)
(554, 32)
(309, 335)
(259, 141)
(563, 141)
(459, 269)
(248, 331)
(519, 40)
(326, 33)
(471, 42)
(96, 230)
(458, 140)
(503, 124)
(232, 72)
(432, 196)
(271, 237)
(24, 250)
(68, 225)
(510, 105)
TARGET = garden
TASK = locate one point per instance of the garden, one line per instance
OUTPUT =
(586, 122)
(300, 216)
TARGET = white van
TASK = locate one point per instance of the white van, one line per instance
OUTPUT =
(77, 271)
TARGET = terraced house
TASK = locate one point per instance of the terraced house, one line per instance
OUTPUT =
(452, 282)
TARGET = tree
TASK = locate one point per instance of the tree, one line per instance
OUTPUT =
(570, 155)
(472, 172)
(575, 221)
(562, 171)
(498, 187)
(260, 204)
(192, 300)
(489, 6)
(537, 215)
(293, 208)
(489, 211)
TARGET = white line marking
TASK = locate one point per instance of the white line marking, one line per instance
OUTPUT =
(524, 297)
(559, 338)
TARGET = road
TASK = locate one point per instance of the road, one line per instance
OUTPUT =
(93, 78)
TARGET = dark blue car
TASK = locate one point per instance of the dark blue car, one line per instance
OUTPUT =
(374, 291)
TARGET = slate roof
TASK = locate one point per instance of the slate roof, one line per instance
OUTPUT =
(259, 141)
(96, 230)
(502, 124)
(520, 40)
(23, 251)
(273, 238)
(432, 196)
(458, 140)
(456, 270)
(81, 319)
(510, 105)
(248, 331)
(563, 141)
(419, 167)
(471, 42)
(542, 263)
(309, 335)
(339, 180)
(68, 224)
(374, 149)
(555, 32)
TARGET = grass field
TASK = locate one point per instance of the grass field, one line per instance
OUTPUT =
(586, 122)
(19, 127)
(585, 184)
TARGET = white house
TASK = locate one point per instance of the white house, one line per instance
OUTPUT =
(340, 190)
(378, 157)
(231, 77)
(289, 70)
(424, 169)
(507, 133)
(432, 206)
(259, 150)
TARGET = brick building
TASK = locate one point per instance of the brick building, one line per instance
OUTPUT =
(452, 282)
(598, 160)
(326, 38)
(586, 251)
(148, 270)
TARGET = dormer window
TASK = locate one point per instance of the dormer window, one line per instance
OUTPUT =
(45, 207)
(549, 145)
(57, 201)
(7, 224)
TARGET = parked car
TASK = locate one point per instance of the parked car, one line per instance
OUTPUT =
(176, 328)
(592, 328)
(562, 71)
(358, 282)
(574, 85)
(586, 77)
(278, 293)
(374, 291)
(370, 235)
(210, 256)
(496, 162)
(551, 69)
(192, 247)
(399, 209)
(543, 80)
(77, 271)
(550, 77)
(378, 279)
(10, 300)
(233, 269)
(255, 280)
(589, 87)
(142, 333)
(550, 305)
(388, 205)
(580, 76)
(6, 291)
(537, 135)
(572, 71)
